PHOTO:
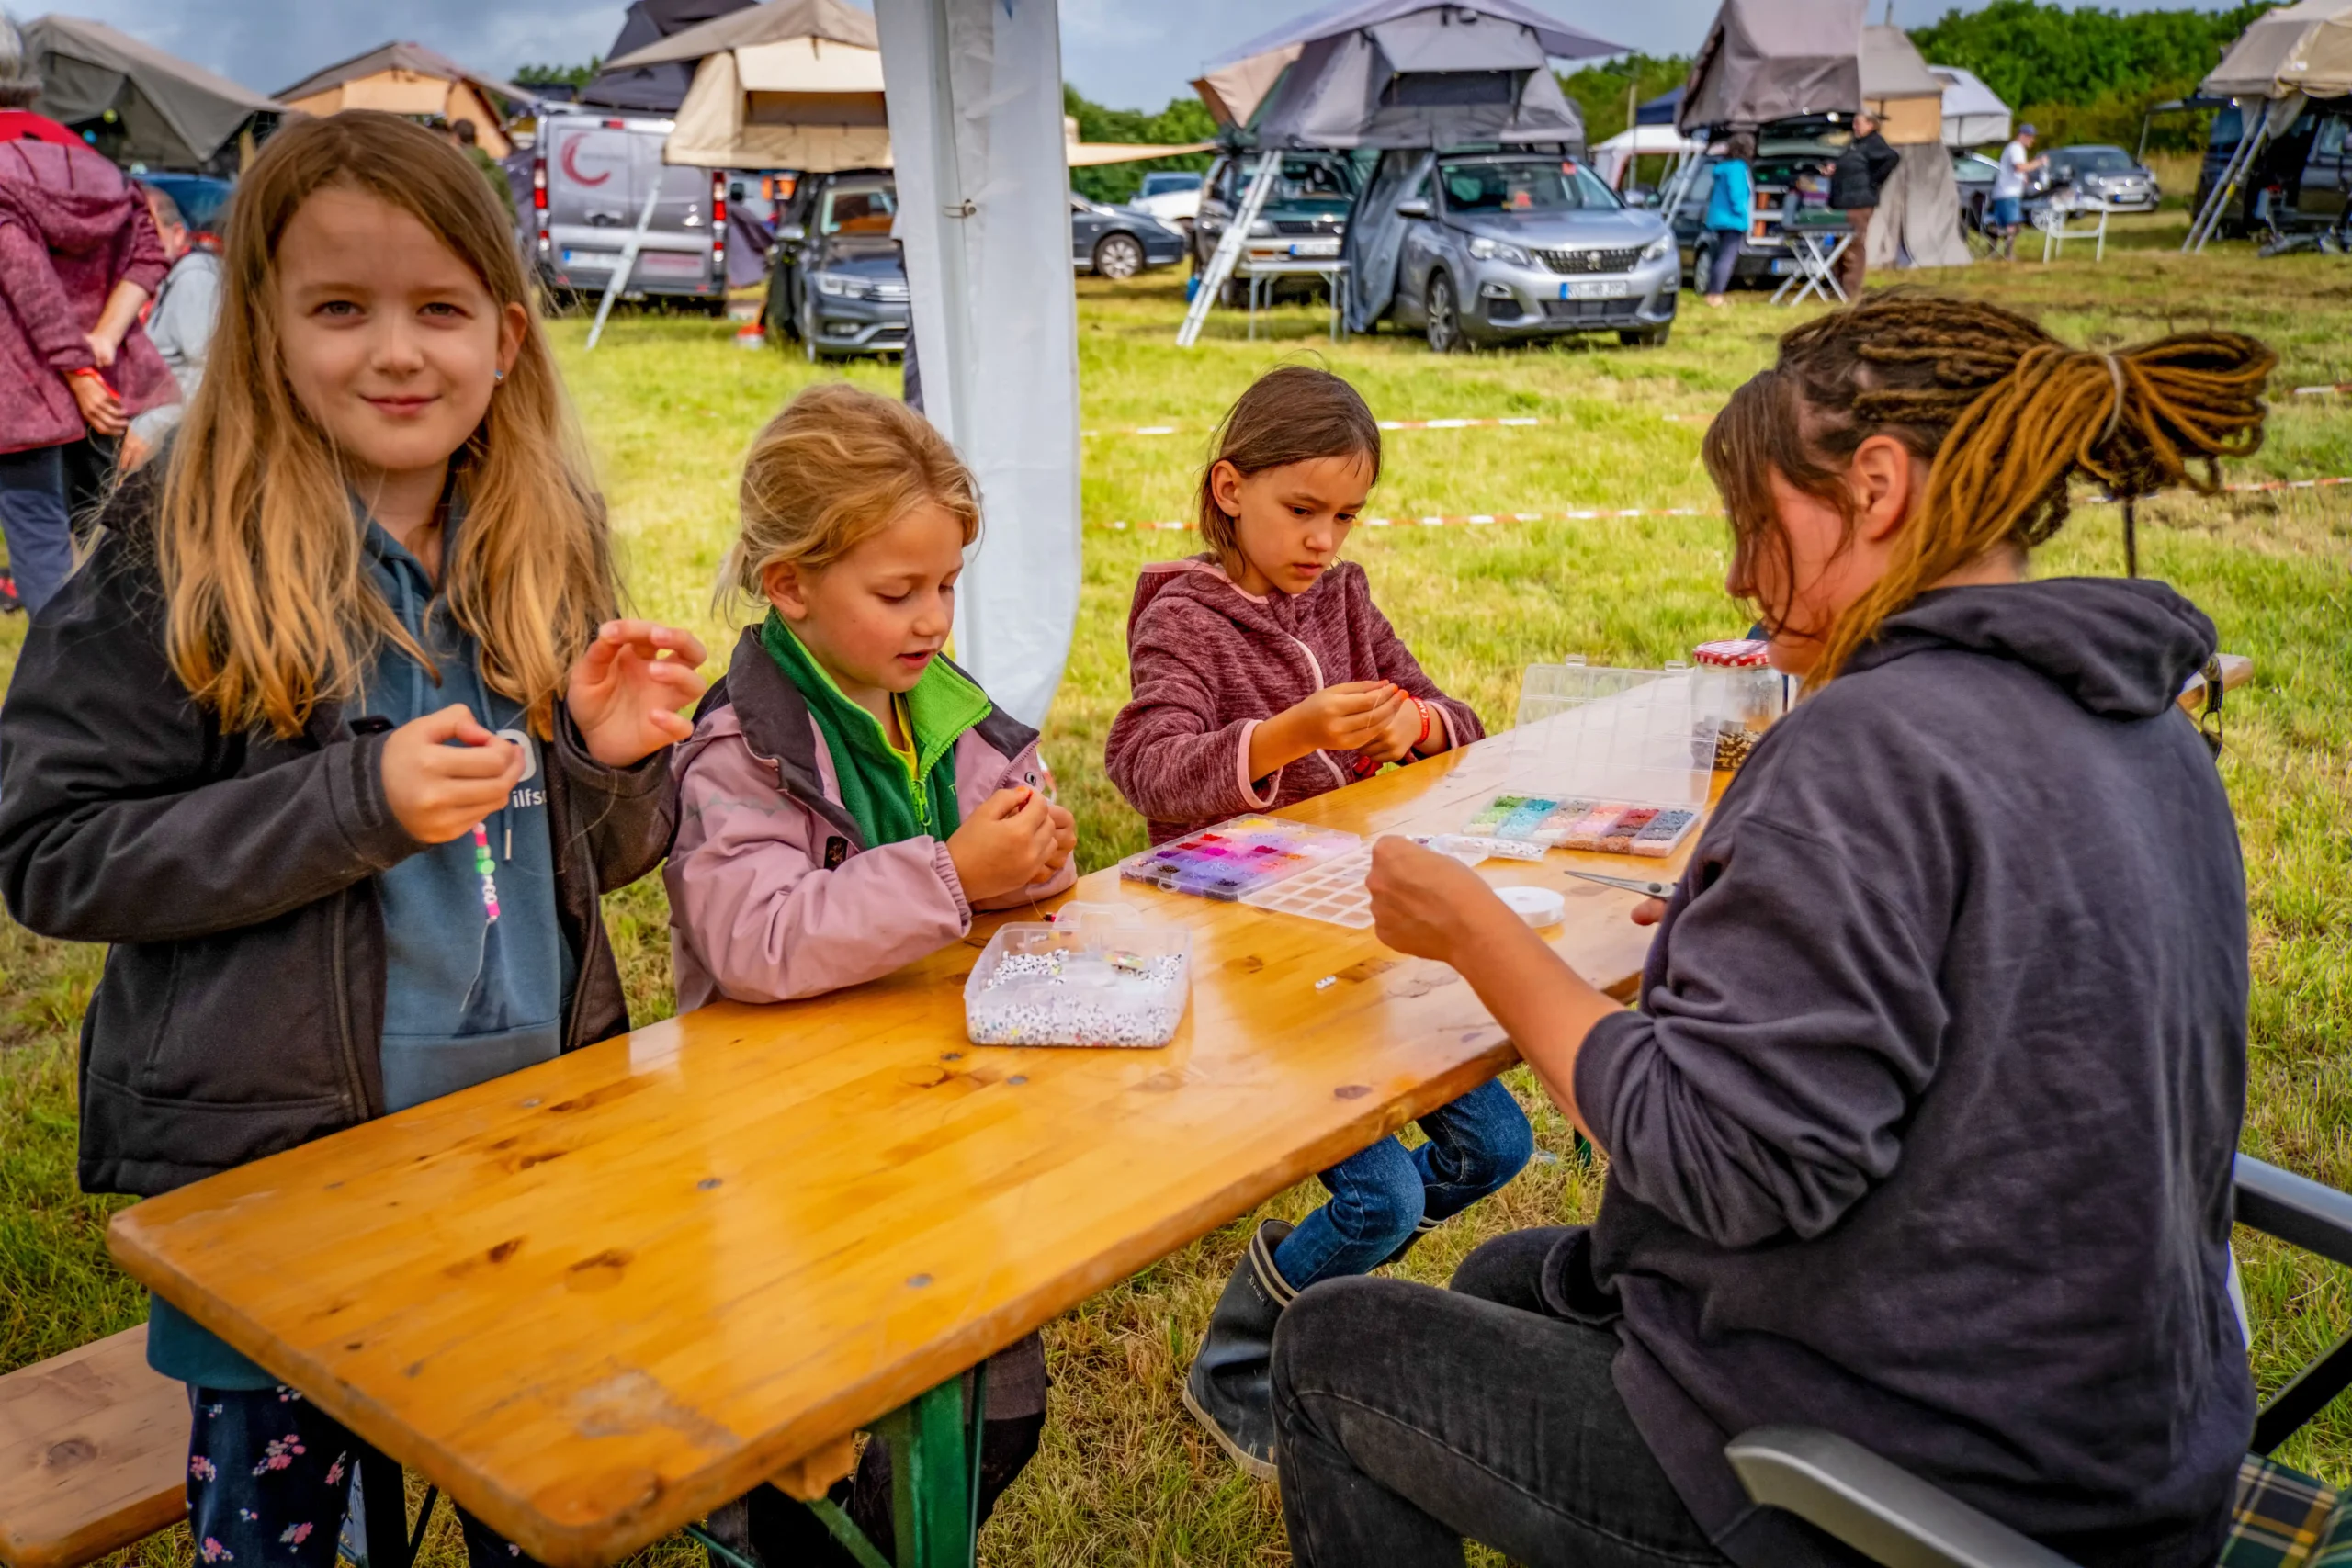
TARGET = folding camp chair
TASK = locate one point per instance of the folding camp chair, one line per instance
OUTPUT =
(2283, 1519)
(1817, 266)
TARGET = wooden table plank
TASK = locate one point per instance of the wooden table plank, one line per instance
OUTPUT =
(595, 1298)
(93, 1453)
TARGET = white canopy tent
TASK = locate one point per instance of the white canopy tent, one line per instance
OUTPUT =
(1611, 158)
(1973, 113)
(2298, 51)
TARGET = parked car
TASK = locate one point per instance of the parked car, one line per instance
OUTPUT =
(2300, 180)
(1786, 154)
(1172, 195)
(2106, 174)
(203, 202)
(1118, 241)
(1305, 216)
(591, 173)
(838, 283)
(1513, 245)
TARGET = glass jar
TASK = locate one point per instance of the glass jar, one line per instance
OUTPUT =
(1736, 695)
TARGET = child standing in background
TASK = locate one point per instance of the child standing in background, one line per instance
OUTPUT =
(850, 797)
(1264, 675)
(334, 739)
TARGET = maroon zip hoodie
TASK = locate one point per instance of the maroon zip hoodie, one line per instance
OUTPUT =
(1209, 663)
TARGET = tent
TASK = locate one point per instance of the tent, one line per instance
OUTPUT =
(1404, 73)
(410, 79)
(2286, 56)
(1659, 110)
(658, 87)
(1973, 113)
(168, 113)
(975, 93)
(1768, 59)
(1611, 158)
(1917, 222)
(789, 85)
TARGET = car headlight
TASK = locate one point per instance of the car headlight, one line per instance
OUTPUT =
(836, 284)
(1263, 230)
(1658, 249)
(1485, 249)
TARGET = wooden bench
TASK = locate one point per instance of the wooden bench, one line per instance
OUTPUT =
(93, 1454)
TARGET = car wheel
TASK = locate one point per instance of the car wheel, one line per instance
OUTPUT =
(1702, 266)
(1118, 257)
(1445, 319)
(809, 329)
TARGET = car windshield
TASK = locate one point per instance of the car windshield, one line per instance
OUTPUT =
(1304, 181)
(1522, 184)
(858, 209)
(2100, 160)
(1169, 184)
(1974, 166)
(2229, 124)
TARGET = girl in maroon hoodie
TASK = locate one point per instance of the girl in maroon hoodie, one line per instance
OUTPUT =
(1264, 675)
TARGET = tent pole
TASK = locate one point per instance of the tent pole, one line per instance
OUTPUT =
(2213, 198)
(1229, 245)
(628, 263)
(2232, 179)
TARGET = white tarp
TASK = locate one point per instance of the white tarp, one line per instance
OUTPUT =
(1610, 157)
(1974, 115)
(975, 91)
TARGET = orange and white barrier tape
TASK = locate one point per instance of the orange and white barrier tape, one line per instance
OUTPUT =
(2322, 392)
(1515, 421)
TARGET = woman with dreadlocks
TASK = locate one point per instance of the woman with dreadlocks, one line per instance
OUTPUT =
(1923, 1132)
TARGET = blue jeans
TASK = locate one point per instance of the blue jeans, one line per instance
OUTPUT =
(33, 517)
(1724, 261)
(2008, 211)
(1477, 1145)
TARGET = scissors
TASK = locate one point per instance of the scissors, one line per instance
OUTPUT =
(1625, 884)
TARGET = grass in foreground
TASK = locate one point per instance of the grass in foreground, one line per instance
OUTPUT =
(1126, 1478)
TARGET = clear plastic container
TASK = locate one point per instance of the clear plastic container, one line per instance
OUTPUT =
(1735, 697)
(1582, 730)
(1099, 975)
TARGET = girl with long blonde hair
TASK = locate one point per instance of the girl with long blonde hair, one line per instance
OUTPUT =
(336, 738)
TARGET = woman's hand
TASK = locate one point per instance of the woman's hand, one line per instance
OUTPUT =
(436, 789)
(100, 408)
(1006, 844)
(1426, 903)
(1650, 911)
(626, 691)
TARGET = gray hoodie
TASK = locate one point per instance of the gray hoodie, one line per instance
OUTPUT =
(1924, 1132)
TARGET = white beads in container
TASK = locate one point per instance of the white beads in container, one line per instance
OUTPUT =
(1100, 974)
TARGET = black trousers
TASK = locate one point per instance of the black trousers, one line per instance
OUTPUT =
(1408, 1418)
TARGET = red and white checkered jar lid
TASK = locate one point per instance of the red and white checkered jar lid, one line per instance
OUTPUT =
(1737, 653)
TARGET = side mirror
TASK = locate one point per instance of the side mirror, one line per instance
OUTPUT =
(1413, 207)
(790, 234)
(1639, 198)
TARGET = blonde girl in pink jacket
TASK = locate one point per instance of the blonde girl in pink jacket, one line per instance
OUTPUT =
(849, 796)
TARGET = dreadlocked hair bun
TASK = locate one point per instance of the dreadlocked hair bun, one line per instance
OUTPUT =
(2004, 413)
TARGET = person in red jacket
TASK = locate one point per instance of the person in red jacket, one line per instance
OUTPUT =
(79, 255)
(1264, 674)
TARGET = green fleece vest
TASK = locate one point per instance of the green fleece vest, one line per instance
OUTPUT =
(890, 798)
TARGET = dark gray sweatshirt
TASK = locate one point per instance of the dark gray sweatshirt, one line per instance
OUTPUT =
(1923, 1134)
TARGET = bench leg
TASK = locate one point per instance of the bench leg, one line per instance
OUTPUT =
(388, 1541)
(932, 1490)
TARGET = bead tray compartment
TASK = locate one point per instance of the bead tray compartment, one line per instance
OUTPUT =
(1101, 975)
(1333, 891)
(1234, 859)
(1602, 827)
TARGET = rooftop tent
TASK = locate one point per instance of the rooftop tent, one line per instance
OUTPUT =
(169, 114)
(1234, 90)
(1898, 87)
(660, 87)
(410, 79)
(976, 101)
(1973, 113)
(1660, 109)
(2305, 48)
(789, 85)
(1768, 59)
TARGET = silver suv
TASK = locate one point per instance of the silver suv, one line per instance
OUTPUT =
(591, 172)
(1504, 245)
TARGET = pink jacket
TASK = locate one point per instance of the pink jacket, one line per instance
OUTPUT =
(1209, 663)
(771, 896)
(71, 228)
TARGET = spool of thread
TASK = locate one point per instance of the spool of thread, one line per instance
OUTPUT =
(1538, 907)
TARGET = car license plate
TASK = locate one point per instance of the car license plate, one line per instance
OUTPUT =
(672, 263)
(1603, 289)
(1316, 248)
(598, 260)
(1784, 267)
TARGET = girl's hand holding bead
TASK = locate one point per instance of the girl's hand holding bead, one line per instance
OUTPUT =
(626, 691)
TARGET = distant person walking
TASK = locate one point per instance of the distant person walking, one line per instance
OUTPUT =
(1860, 172)
(180, 324)
(78, 257)
(1731, 213)
(469, 140)
(2017, 165)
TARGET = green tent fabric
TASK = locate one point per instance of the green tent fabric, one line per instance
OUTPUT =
(171, 114)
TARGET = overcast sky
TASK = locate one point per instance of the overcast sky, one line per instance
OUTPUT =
(1127, 53)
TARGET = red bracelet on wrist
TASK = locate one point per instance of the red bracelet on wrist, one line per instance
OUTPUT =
(1425, 724)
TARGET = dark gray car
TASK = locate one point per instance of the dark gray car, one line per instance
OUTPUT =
(1119, 241)
(839, 284)
(1505, 246)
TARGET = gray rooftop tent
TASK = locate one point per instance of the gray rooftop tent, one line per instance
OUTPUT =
(1768, 59)
(2286, 56)
(1406, 77)
(169, 114)
(656, 87)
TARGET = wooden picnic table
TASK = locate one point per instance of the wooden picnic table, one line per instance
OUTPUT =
(597, 1298)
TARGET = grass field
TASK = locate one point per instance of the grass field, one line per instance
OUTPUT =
(668, 405)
